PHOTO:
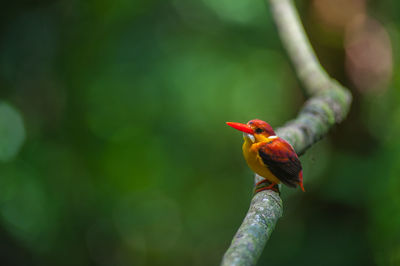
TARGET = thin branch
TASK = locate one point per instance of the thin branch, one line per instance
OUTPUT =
(329, 105)
(294, 39)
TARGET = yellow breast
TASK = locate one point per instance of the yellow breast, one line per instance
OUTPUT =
(255, 162)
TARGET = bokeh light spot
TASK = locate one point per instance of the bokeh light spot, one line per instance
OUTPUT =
(368, 54)
(12, 132)
(243, 12)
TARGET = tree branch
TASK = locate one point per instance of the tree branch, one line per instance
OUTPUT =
(329, 105)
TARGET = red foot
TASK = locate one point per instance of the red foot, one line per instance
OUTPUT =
(262, 181)
(270, 187)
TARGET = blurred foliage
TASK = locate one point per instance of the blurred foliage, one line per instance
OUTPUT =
(12, 132)
(127, 160)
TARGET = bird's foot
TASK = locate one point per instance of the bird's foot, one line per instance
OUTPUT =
(266, 185)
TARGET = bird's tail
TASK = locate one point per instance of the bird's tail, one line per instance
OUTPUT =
(301, 181)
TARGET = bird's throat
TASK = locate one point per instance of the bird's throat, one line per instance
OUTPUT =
(249, 138)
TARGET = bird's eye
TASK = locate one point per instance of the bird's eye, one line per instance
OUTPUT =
(258, 130)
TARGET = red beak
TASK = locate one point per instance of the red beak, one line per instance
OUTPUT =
(241, 127)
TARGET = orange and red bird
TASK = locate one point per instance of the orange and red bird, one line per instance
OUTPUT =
(269, 156)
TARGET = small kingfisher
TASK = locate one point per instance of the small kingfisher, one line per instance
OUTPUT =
(269, 156)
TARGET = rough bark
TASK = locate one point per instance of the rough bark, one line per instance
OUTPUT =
(328, 105)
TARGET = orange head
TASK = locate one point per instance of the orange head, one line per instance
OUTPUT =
(255, 127)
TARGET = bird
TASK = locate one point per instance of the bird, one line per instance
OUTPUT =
(269, 156)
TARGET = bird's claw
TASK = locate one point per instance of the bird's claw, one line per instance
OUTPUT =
(266, 185)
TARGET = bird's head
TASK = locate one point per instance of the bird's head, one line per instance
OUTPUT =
(255, 130)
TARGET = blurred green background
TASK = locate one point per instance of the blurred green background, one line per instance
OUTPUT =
(114, 150)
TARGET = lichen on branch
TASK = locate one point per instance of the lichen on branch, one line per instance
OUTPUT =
(265, 210)
(329, 104)
(317, 116)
